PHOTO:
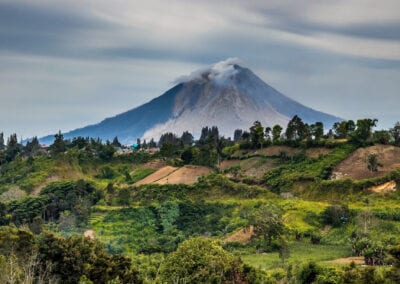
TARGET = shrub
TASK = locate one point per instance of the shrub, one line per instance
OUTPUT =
(336, 215)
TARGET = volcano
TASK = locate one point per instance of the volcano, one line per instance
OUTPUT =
(225, 95)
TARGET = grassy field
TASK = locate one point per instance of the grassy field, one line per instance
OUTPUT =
(300, 252)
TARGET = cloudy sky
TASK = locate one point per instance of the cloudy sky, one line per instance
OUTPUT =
(66, 64)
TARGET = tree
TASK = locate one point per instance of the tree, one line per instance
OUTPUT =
(317, 130)
(169, 138)
(124, 197)
(395, 133)
(152, 144)
(267, 134)
(187, 138)
(373, 163)
(257, 135)
(237, 135)
(336, 215)
(32, 146)
(363, 133)
(115, 142)
(344, 128)
(267, 223)
(80, 142)
(58, 145)
(296, 129)
(78, 256)
(2, 146)
(309, 273)
(276, 133)
(197, 260)
(382, 137)
(106, 152)
(13, 148)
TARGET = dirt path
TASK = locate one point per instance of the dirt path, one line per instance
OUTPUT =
(386, 187)
(242, 236)
(39, 188)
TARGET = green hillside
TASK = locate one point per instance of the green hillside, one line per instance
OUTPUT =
(273, 214)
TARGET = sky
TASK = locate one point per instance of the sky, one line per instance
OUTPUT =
(67, 64)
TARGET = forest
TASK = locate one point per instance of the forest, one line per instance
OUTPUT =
(282, 204)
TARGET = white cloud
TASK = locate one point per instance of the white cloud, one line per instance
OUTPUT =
(219, 72)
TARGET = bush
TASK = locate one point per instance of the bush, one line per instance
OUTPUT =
(336, 215)
(106, 173)
(198, 260)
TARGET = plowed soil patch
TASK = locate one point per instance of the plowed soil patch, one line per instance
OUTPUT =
(173, 175)
(186, 175)
(154, 177)
(356, 166)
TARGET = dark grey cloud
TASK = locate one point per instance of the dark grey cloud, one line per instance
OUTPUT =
(82, 61)
(29, 28)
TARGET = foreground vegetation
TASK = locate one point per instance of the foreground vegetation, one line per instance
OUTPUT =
(292, 224)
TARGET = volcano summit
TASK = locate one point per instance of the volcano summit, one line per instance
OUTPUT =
(225, 95)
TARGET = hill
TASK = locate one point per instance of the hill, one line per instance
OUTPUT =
(276, 212)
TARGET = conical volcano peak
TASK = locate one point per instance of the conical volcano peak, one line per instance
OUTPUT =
(224, 94)
(219, 72)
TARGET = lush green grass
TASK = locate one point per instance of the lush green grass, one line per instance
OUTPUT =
(140, 173)
(299, 252)
(283, 178)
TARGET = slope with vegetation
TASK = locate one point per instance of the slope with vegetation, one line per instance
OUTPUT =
(271, 209)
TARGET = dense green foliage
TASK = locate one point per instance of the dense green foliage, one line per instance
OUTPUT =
(50, 259)
(286, 225)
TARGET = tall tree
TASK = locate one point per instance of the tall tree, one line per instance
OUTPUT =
(13, 148)
(58, 145)
(276, 133)
(187, 138)
(237, 135)
(32, 146)
(317, 130)
(116, 142)
(168, 137)
(344, 128)
(2, 141)
(296, 129)
(198, 260)
(395, 133)
(363, 133)
(382, 137)
(152, 144)
(267, 223)
(257, 135)
(267, 134)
